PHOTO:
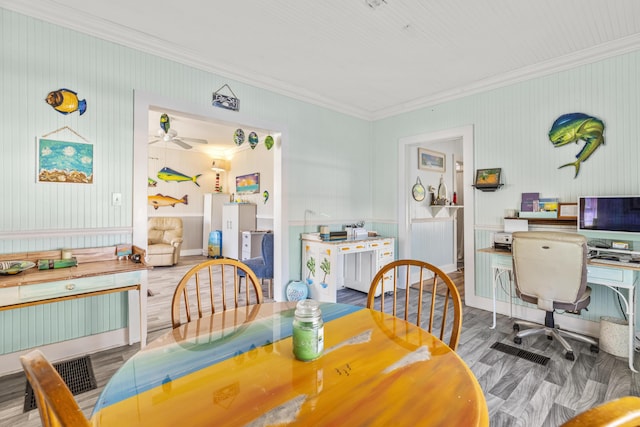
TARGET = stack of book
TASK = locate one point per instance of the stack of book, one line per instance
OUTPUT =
(337, 235)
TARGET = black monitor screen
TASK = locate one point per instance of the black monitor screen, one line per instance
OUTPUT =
(620, 214)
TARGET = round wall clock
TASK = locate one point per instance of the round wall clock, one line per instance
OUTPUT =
(418, 191)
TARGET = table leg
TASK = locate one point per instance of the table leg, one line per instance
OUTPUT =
(632, 326)
(495, 285)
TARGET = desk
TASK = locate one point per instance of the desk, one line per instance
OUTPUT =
(614, 277)
(350, 263)
(237, 368)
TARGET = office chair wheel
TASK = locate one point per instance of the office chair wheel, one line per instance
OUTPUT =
(517, 340)
(570, 356)
(516, 327)
(594, 348)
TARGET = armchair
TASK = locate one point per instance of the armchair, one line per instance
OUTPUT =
(164, 240)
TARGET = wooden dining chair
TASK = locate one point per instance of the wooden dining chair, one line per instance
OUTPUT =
(622, 412)
(55, 401)
(212, 286)
(412, 287)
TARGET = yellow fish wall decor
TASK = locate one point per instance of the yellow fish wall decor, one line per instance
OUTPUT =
(159, 200)
(66, 101)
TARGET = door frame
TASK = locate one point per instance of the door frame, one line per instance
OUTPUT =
(142, 102)
(404, 187)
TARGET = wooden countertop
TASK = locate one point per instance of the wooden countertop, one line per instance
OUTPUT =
(91, 262)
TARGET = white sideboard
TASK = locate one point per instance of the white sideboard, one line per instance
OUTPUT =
(331, 265)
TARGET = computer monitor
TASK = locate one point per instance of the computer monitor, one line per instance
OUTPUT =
(619, 214)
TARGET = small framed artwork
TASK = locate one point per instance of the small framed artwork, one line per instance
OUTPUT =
(248, 184)
(429, 160)
(64, 161)
(567, 211)
(488, 178)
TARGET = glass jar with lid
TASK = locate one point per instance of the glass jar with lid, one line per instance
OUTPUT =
(308, 330)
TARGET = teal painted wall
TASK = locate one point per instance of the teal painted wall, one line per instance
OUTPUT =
(511, 126)
(336, 164)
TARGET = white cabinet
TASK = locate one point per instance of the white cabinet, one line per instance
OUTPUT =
(212, 216)
(328, 266)
(251, 244)
(236, 218)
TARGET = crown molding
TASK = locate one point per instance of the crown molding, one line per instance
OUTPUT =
(556, 65)
(64, 16)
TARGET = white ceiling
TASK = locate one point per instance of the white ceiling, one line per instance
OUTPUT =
(342, 54)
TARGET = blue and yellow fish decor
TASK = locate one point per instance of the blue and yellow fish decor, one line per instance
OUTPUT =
(573, 127)
(253, 140)
(168, 174)
(165, 124)
(66, 101)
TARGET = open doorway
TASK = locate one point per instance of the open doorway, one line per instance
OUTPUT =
(143, 102)
(425, 214)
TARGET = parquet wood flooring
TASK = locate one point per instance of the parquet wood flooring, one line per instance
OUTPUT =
(518, 392)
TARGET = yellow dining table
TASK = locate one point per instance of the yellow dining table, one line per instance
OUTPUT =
(237, 368)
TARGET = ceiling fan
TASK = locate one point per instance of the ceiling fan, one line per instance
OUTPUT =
(166, 134)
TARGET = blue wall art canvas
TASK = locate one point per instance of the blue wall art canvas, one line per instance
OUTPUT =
(65, 161)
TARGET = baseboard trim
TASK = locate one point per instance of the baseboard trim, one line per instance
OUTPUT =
(10, 362)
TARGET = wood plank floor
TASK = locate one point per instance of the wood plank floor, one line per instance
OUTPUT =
(518, 392)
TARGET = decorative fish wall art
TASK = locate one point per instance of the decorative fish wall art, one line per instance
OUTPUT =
(160, 200)
(66, 101)
(253, 140)
(168, 175)
(268, 142)
(151, 182)
(165, 124)
(573, 127)
(265, 195)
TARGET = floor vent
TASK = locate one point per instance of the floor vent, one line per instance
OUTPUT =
(76, 373)
(523, 354)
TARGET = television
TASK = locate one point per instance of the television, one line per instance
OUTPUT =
(619, 214)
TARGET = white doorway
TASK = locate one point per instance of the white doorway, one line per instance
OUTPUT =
(407, 179)
(143, 102)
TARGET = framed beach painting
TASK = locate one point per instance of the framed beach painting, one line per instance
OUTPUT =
(430, 160)
(248, 184)
(488, 178)
(64, 161)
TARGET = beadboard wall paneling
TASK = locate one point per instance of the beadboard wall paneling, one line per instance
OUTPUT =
(511, 126)
(39, 57)
(431, 242)
(48, 323)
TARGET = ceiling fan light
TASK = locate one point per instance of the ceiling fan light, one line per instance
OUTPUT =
(172, 133)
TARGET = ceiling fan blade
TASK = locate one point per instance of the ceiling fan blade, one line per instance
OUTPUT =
(198, 140)
(181, 143)
(154, 141)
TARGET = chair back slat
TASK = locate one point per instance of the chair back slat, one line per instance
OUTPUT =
(426, 291)
(214, 285)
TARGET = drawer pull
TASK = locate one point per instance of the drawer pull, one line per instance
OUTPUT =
(70, 286)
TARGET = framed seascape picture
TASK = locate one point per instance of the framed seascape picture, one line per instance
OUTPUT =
(488, 178)
(431, 160)
(65, 161)
(248, 184)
